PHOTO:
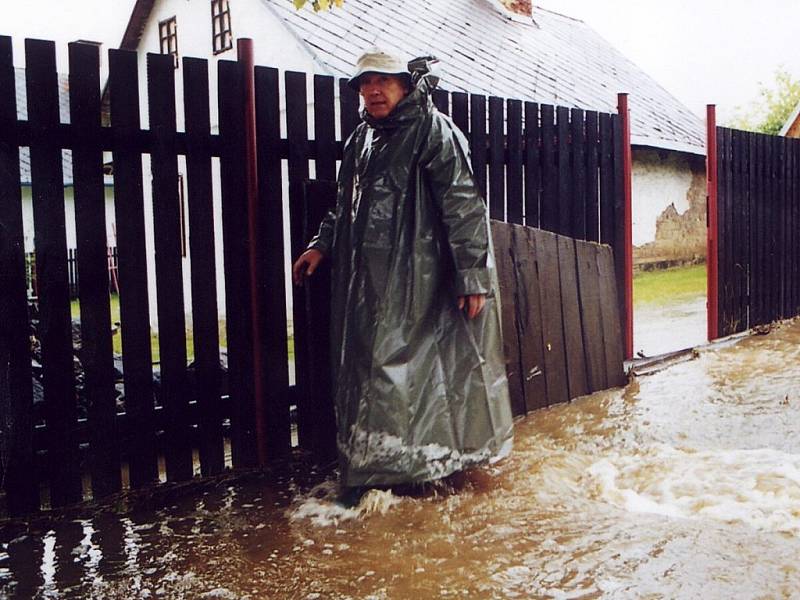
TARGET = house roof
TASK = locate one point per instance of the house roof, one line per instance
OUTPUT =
(792, 126)
(63, 110)
(552, 59)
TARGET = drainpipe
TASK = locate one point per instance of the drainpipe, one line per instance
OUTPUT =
(244, 48)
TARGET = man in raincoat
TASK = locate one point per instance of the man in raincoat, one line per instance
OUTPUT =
(420, 384)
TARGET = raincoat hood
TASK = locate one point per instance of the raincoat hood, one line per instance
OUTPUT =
(420, 389)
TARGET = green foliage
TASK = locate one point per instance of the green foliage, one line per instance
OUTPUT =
(770, 112)
(318, 5)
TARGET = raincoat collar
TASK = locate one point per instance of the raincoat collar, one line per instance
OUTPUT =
(409, 109)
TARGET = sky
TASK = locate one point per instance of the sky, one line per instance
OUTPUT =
(702, 51)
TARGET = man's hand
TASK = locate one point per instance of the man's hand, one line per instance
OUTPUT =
(474, 304)
(306, 265)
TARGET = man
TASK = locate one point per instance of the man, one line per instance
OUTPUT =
(420, 385)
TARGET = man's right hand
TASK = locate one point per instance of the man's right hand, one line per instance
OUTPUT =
(306, 265)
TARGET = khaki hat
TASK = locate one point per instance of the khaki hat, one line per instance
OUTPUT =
(378, 61)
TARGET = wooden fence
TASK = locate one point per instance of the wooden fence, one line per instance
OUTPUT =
(539, 165)
(72, 272)
(758, 229)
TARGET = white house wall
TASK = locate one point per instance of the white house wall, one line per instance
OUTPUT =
(69, 215)
(661, 178)
(273, 45)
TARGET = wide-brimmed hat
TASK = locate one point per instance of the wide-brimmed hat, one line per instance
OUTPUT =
(378, 61)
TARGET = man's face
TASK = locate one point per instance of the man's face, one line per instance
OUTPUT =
(381, 93)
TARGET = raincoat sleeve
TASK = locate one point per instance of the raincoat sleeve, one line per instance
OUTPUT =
(324, 238)
(446, 166)
(323, 241)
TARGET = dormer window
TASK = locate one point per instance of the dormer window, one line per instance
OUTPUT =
(168, 33)
(222, 39)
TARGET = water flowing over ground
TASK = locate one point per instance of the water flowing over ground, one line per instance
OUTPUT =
(674, 325)
(685, 484)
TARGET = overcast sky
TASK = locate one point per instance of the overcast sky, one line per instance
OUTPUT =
(702, 51)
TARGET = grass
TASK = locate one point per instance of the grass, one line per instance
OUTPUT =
(668, 285)
(117, 338)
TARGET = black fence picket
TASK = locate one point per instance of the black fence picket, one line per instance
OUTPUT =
(537, 165)
(55, 329)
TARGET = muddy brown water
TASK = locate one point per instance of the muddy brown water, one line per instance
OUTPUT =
(685, 484)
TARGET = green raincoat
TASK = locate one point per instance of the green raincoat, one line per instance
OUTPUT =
(420, 390)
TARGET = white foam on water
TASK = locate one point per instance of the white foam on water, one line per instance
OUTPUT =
(760, 488)
(321, 508)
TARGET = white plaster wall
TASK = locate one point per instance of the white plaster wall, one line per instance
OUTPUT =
(69, 215)
(659, 178)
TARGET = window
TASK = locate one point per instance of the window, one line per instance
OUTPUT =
(168, 33)
(222, 39)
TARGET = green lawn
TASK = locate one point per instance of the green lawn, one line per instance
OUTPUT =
(669, 285)
(117, 339)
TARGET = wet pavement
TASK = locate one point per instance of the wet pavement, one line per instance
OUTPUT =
(685, 484)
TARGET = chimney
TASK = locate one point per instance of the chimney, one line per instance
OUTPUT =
(519, 7)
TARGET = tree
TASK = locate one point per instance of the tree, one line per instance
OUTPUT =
(318, 5)
(776, 103)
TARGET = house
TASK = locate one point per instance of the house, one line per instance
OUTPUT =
(792, 126)
(496, 47)
(66, 163)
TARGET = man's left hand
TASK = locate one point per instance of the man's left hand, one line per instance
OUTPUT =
(474, 304)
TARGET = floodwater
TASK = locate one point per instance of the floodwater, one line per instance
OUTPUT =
(661, 328)
(685, 484)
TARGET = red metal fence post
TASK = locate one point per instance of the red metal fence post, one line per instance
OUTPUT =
(244, 48)
(625, 228)
(712, 300)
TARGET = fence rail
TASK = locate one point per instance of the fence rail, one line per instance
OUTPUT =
(538, 165)
(758, 216)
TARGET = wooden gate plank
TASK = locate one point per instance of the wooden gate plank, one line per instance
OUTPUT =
(548, 203)
(578, 168)
(609, 310)
(478, 139)
(167, 217)
(528, 283)
(205, 326)
(555, 359)
(324, 128)
(606, 180)
(573, 328)
(589, 292)
(497, 170)
(503, 251)
(533, 178)
(441, 100)
(20, 480)
(134, 301)
(592, 177)
(90, 227)
(348, 109)
(55, 331)
(271, 250)
(461, 112)
(514, 199)
(565, 174)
